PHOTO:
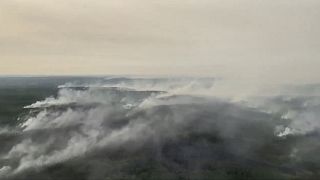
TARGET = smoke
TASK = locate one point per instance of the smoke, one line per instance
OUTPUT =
(300, 111)
(167, 116)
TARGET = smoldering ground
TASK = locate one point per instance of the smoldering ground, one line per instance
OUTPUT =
(156, 129)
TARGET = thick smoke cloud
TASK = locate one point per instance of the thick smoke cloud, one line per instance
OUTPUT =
(166, 122)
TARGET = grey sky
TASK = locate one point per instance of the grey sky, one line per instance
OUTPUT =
(275, 40)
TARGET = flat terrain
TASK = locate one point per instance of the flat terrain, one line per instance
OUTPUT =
(102, 133)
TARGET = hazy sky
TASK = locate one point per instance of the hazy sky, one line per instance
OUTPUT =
(256, 39)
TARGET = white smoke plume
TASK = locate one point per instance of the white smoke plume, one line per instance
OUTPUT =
(84, 118)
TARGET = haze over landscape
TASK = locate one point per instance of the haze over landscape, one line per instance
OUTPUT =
(258, 40)
(159, 90)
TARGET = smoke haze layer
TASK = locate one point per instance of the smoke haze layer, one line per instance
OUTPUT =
(164, 128)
